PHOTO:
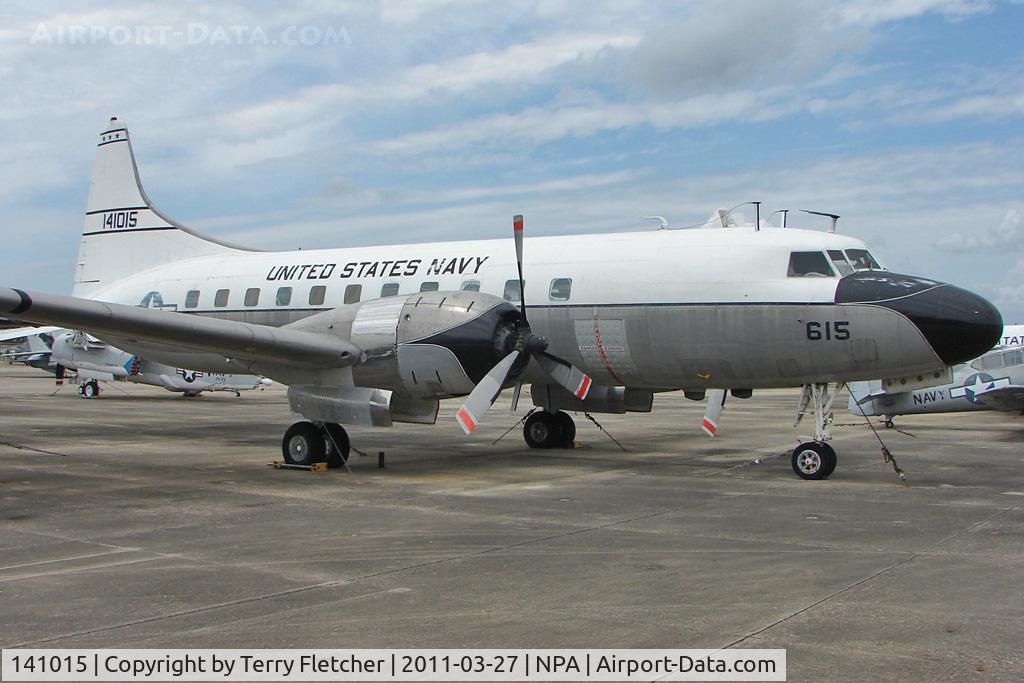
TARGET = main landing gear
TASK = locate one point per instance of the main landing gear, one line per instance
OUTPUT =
(549, 430)
(306, 443)
(816, 459)
(90, 389)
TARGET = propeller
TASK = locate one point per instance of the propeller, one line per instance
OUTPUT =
(716, 402)
(528, 346)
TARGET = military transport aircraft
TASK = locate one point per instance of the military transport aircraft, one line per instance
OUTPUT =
(995, 381)
(377, 335)
(56, 350)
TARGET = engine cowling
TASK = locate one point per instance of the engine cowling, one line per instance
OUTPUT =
(427, 345)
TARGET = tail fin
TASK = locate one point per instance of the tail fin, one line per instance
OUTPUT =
(123, 232)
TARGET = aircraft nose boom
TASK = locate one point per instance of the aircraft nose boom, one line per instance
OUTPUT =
(958, 324)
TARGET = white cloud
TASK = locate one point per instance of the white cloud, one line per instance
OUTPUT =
(1008, 235)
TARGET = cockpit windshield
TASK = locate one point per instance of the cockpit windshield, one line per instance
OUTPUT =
(840, 262)
(862, 260)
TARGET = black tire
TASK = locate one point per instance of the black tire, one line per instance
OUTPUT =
(833, 460)
(303, 444)
(91, 389)
(336, 434)
(813, 460)
(543, 430)
(568, 429)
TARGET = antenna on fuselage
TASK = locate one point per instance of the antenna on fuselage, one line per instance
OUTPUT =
(785, 216)
(833, 216)
(662, 221)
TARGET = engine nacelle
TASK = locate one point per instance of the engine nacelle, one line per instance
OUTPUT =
(429, 345)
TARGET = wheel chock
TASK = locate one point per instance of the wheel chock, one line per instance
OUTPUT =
(315, 467)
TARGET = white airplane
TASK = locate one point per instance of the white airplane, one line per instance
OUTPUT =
(56, 350)
(1013, 335)
(994, 381)
(377, 335)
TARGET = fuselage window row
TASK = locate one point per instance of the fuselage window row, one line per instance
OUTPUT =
(560, 289)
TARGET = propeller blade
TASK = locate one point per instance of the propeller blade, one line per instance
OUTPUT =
(484, 393)
(516, 394)
(716, 402)
(517, 233)
(572, 378)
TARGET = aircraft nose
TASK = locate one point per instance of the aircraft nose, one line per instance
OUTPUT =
(958, 324)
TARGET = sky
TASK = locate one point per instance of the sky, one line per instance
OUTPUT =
(330, 123)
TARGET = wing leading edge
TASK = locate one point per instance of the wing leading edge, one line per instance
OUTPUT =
(229, 338)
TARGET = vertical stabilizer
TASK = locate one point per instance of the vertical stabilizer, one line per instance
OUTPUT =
(123, 232)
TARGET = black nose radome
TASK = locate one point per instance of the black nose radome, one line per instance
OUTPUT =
(959, 325)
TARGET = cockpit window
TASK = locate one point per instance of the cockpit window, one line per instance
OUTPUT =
(862, 260)
(809, 264)
(1013, 357)
(840, 262)
(990, 361)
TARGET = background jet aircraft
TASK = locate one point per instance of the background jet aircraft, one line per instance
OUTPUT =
(55, 350)
(995, 381)
(377, 335)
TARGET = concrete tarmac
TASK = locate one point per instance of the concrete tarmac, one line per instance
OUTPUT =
(154, 521)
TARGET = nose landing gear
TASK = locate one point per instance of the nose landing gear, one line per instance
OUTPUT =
(816, 459)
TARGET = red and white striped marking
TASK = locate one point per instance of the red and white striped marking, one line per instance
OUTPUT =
(466, 420)
(709, 426)
(584, 388)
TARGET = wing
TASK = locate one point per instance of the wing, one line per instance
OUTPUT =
(1010, 398)
(230, 339)
(19, 332)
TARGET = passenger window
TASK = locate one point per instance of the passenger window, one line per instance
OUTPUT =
(317, 295)
(862, 260)
(352, 293)
(252, 296)
(284, 296)
(840, 262)
(471, 286)
(1013, 357)
(561, 287)
(220, 300)
(429, 287)
(192, 298)
(809, 264)
(389, 289)
(512, 290)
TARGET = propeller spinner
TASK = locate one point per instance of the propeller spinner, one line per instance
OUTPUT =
(528, 346)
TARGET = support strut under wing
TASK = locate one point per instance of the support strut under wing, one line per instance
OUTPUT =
(230, 338)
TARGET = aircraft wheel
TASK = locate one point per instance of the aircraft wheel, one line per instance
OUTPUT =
(90, 389)
(303, 444)
(889, 424)
(336, 434)
(814, 460)
(543, 430)
(568, 429)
